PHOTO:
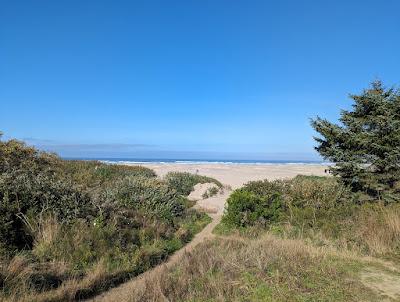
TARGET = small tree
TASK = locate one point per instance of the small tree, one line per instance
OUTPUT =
(365, 147)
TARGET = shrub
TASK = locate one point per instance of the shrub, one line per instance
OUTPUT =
(265, 187)
(319, 208)
(150, 194)
(82, 245)
(246, 209)
(210, 192)
(30, 184)
(305, 201)
(184, 182)
(91, 174)
(16, 156)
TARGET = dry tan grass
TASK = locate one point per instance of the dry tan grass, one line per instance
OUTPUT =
(20, 270)
(44, 231)
(379, 229)
(238, 269)
(208, 210)
(17, 273)
(68, 291)
(382, 282)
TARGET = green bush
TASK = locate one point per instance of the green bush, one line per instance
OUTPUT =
(245, 208)
(71, 218)
(319, 208)
(91, 174)
(210, 192)
(303, 201)
(184, 182)
(82, 245)
(266, 187)
(154, 196)
(16, 156)
(30, 183)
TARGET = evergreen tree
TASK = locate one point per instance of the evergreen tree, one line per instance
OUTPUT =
(365, 146)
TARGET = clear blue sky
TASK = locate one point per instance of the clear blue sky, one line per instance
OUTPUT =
(200, 79)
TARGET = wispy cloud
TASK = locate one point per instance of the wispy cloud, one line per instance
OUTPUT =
(33, 140)
(98, 147)
(52, 145)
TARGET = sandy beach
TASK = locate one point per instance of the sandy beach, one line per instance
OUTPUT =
(236, 175)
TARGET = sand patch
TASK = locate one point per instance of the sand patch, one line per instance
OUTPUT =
(236, 175)
(200, 189)
(384, 283)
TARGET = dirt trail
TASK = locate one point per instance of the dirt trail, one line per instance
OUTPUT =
(215, 207)
(384, 283)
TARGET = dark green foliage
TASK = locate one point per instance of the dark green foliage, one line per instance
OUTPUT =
(302, 201)
(16, 156)
(184, 182)
(34, 182)
(319, 208)
(210, 192)
(30, 183)
(266, 187)
(245, 208)
(365, 147)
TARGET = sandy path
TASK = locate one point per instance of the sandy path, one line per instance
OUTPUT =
(386, 284)
(122, 292)
(233, 175)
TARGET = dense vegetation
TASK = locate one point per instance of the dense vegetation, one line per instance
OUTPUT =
(184, 182)
(69, 229)
(319, 208)
(294, 240)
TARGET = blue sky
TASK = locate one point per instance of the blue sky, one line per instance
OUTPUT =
(188, 79)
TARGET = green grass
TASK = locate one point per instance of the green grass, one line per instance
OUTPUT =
(184, 182)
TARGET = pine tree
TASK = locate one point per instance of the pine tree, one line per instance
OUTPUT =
(365, 146)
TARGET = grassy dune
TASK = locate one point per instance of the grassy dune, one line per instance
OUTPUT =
(71, 229)
(321, 242)
(263, 269)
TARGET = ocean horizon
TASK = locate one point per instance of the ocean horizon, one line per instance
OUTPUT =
(197, 161)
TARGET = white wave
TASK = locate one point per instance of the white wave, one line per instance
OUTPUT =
(194, 162)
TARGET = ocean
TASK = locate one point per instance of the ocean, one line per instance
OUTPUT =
(201, 161)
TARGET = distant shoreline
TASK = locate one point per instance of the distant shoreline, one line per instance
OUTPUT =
(235, 175)
(130, 161)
